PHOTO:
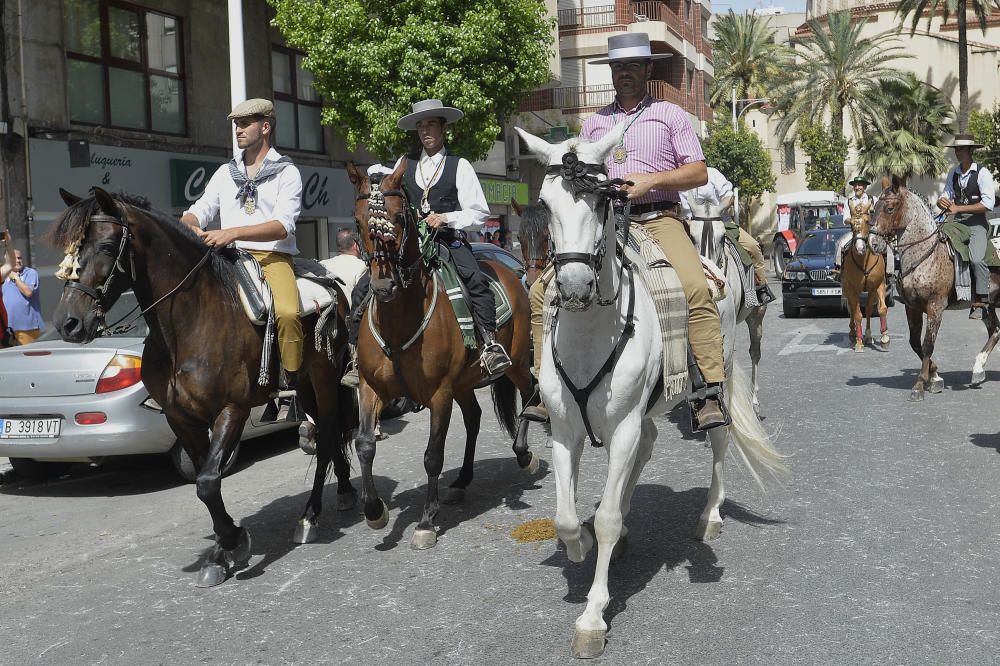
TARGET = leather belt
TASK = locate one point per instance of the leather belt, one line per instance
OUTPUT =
(654, 207)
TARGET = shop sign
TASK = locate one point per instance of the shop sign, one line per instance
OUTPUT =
(500, 192)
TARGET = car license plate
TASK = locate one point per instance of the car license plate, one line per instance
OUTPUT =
(826, 291)
(29, 428)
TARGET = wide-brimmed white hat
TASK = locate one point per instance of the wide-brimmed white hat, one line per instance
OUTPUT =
(629, 46)
(429, 108)
(965, 141)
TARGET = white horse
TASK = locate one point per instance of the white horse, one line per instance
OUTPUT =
(618, 410)
(709, 238)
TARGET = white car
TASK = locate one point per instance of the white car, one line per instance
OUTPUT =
(62, 402)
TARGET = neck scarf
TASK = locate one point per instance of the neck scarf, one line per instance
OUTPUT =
(248, 186)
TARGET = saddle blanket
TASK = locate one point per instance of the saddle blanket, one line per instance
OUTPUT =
(318, 287)
(662, 283)
(957, 236)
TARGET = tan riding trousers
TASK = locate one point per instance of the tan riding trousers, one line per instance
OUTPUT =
(704, 326)
(280, 276)
(750, 244)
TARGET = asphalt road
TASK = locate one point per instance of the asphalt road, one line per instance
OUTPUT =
(881, 548)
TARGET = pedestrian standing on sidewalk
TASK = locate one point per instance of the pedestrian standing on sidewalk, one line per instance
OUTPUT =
(22, 302)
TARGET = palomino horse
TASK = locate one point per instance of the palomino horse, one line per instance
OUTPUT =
(864, 271)
(419, 352)
(202, 356)
(709, 237)
(928, 276)
(617, 348)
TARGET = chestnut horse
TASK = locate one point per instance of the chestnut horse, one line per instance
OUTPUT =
(202, 356)
(928, 277)
(864, 271)
(419, 352)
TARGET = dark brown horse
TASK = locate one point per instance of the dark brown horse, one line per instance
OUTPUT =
(864, 271)
(928, 278)
(421, 353)
(202, 355)
(533, 235)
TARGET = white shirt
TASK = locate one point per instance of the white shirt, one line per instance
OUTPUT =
(347, 267)
(987, 188)
(712, 194)
(278, 198)
(474, 210)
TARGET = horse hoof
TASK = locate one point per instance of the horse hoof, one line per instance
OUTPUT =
(382, 520)
(916, 395)
(306, 531)
(884, 340)
(454, 495)
(588, 644)
(621, 547)
(423, 539)
(708, 530)
(212, 574)
(859, 349)
(936, 386)
(978, 377)
(347, 501)
(533, 465)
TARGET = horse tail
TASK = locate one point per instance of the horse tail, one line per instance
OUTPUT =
(505, 404)
(350, 417)
(752, 442)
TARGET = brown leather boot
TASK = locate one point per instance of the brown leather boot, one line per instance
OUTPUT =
(708, 413)
(977, 310)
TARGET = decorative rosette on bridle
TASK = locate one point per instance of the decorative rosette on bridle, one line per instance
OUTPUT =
(584, 178)
(69, 268)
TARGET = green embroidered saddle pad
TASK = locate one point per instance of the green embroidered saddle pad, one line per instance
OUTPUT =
(437, 258)
(958, 237)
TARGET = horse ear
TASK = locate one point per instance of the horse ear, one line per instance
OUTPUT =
(395, 179)
(105, 201)
(537, 146)
(68, 197)
(358, 178)
(516, 206)
(898, 183)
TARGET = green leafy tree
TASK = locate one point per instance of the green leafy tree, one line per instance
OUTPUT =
(745, 57)
(918, 118)
(982, 9)
(372, 59)
(827, 153)
(985, 127)
(839, 74)
(742, 158)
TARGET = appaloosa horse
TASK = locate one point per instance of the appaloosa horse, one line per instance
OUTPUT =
(928, 277)
(864, 271)
(202, 356)
(410, 345)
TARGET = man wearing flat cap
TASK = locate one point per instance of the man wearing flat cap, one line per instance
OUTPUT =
(970, 193)
(257, 195)
(448, 197)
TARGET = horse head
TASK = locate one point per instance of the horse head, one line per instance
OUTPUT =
(98, 264)
(387, 229)
(576, 189)
(533, 235)
(888, 218)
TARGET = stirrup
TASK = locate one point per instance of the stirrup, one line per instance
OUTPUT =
(504, 362)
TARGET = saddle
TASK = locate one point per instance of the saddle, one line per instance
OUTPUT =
(318, 287)
(956, 237)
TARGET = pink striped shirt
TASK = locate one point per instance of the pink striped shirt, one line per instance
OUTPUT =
(661, 139)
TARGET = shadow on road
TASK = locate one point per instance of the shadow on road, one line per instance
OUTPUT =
(990, 440)
(954, 380)
(661, 525)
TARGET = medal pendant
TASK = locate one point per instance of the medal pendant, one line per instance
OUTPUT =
(425, 207)
(250, 205)
(619, 154)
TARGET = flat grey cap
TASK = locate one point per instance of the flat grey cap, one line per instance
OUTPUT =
(253, 107)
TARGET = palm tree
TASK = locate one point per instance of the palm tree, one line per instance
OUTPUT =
(840, 72)
(981, 8)
(745, 56)
(918, 117)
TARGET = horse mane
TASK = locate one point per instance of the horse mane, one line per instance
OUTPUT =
(535, 220)
(71, 225)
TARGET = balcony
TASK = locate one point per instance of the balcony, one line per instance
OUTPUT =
(603, 16)
(649, 10)
(583, 99)
(618, 15)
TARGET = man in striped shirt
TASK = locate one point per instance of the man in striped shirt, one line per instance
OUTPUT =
(661, 155)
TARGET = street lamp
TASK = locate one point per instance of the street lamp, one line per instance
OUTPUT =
(748, 103)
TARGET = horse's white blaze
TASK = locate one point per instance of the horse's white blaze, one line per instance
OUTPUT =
(616, 408)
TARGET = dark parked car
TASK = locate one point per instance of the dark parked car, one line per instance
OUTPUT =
(806, 281)
(491, 252)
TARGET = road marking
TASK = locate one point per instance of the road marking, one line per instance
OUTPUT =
(832, 341)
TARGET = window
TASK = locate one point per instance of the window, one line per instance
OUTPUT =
(788, 157)
(296, 102)
(124, 66)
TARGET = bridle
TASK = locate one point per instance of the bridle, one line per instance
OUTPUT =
(583, 178)
(382, 232)
(100, 294)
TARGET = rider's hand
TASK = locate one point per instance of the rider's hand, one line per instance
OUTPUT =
(945, 204)
(219, 238)
(436, 221)
(642, 183)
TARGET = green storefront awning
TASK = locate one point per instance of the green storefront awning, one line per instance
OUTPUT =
(500, 192)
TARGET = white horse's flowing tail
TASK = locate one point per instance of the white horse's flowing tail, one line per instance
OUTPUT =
(752, 441)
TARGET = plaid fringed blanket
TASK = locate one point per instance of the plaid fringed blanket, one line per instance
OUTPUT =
(664, 286)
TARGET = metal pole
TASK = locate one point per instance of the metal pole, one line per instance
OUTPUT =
(734, 109)
(29, 207)
(237, 66)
